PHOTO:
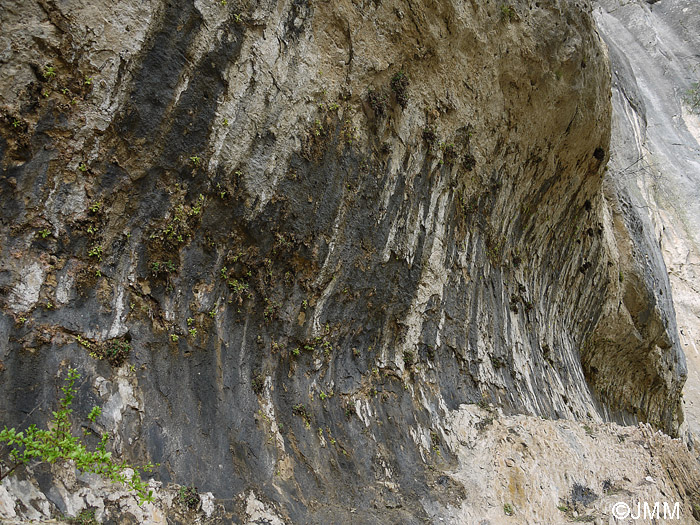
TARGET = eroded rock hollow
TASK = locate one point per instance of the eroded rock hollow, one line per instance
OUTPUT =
(285, 241)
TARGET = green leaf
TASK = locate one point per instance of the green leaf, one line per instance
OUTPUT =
(59, 444)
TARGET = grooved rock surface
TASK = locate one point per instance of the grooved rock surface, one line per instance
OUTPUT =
(318, 230)
(656, 145)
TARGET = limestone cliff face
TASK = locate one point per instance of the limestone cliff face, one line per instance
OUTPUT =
(655, 149)
(320, 228)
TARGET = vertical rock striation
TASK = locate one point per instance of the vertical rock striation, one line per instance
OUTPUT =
(655, 154)
(320, 228)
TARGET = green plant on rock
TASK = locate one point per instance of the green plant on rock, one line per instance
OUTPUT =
(301, 411)
(692, 98)
(197, 208)
(115, 351)
(239, 287)
(429, 135)
(327, 348)
(399, 85)
(507, 13)
(96, 251)
(175, 231)
(159, 268)
(508, 509)
(188, 497)
(435, 442)
(87, 344)
(49, 72)
(270, 311)
(449, 152)
(59, 444)
(257, 383)
(86, 517)
(318, 128)
(377, 101)
(483, 402)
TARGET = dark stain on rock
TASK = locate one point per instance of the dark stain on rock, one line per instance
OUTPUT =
(161, 67)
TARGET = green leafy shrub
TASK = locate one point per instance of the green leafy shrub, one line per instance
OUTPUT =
(59, 444)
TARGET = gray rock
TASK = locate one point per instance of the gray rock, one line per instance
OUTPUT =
(321, 230)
